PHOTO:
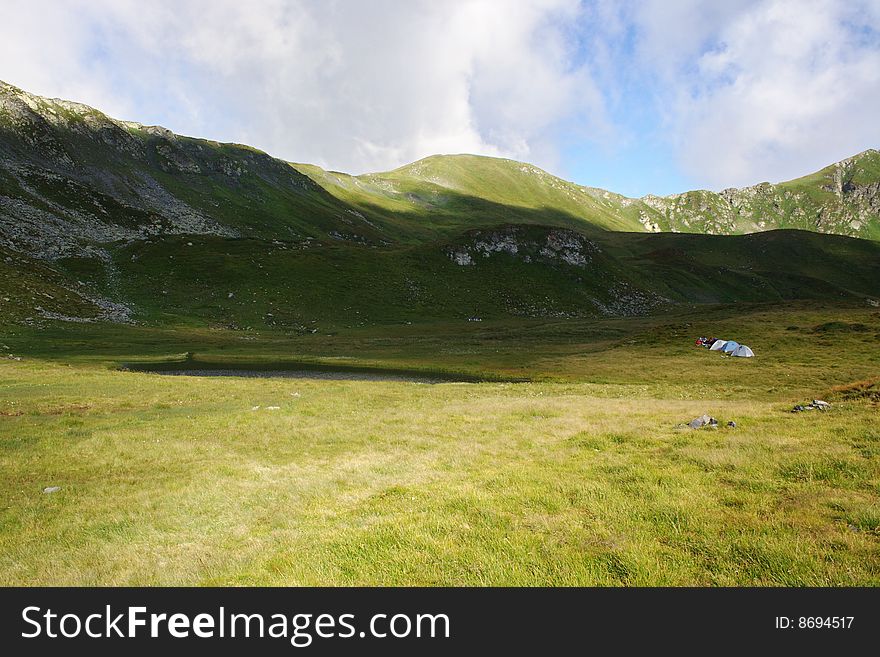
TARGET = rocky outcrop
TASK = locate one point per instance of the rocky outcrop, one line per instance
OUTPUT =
(556, 246)
(52, 217)
(603, 291)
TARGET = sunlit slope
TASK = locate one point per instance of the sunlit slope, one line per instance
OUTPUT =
(72, 177)
(466, 191)
(843, 198)
(508, 183)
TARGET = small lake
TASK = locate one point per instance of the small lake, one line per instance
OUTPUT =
(323, 375)
(300, 370)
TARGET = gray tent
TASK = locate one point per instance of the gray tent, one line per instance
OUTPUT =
(729, 346)
(743, 352)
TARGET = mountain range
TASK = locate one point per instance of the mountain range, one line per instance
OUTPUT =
(108, 219)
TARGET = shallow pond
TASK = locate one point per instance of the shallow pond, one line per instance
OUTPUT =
(326, 375)
(306, 370)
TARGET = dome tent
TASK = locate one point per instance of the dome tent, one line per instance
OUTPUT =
(718, 345)
(730, 346)
(743, 352)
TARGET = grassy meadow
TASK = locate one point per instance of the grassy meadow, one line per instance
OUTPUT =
(584, 475)
(554, 452)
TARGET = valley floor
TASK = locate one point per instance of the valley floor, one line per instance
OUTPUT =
(583, 476)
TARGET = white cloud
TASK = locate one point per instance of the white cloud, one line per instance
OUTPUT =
(770, 91)
(42, 48)
(735, 92)
(350, 85)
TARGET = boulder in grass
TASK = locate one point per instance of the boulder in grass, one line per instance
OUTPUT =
(703, 421)
(815, 405)
(51, 489)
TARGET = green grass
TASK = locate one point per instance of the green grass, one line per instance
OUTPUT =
(583, 476)
(208, 281)
(807, 203)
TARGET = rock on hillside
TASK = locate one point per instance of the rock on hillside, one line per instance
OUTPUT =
(605, 289)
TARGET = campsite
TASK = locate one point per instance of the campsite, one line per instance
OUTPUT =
(728, 347)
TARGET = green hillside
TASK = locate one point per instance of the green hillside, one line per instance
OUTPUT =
(102, 219)
(843, 198)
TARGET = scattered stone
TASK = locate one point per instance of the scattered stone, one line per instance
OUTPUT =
(51, 489)
(703, 421)
(272, 408)
(815, 405)
(461, 258)
(255, 408)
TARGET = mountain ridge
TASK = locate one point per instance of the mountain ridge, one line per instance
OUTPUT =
(107, 220)
(843, 198)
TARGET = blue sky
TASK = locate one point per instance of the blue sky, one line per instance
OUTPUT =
(637, 97)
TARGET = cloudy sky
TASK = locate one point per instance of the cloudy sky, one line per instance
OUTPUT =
(656, 96)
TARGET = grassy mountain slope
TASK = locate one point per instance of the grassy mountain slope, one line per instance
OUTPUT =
(96, 179)
(514, 271)
(768, 266)
(107, 219)
(843, 198)
(443, 194)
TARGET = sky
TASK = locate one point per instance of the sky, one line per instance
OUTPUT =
(654, 96)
